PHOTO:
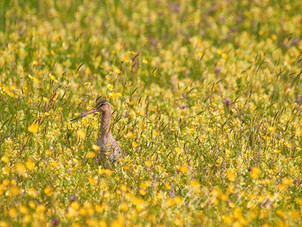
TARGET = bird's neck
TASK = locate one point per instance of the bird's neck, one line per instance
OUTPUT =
(105, 124)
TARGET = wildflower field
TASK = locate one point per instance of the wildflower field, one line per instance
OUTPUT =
(206, 99)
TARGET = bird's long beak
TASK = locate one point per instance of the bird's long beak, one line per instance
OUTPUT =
(83, 114)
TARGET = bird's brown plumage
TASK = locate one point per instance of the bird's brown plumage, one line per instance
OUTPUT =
(111, 151)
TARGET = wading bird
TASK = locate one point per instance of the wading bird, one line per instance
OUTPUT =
(111, 151)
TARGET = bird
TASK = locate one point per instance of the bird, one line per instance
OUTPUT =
(111, 151)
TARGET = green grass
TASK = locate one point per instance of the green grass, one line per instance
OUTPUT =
(207, 103)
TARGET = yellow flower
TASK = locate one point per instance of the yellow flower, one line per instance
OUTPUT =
(281, 213)
(40, 209)
(142, 192)
(178, 222)
(117, 71)
(227, 220)
(33, 128)
(255, 172)
(170, 202)
(224, 197)
(139, 203)
(96, 147)
(200, 54)
(143, 185)
(232, 205)
(81, 134)
(195, 184)
(32, 78)
(209, 129)
(134, 144)
(21, 169)
(4, 224)
(75, 205)
(274, 37)
(299, 201)
(294, 214)
(6, 170)
(54, 164)
(90, 154)
(48, 191)
(216, 192)
(177, 150)
(5, 182)
(110, 86)
(219, 52)
(32, 204)
(184, 169)
(148, 164)
(178, 200)
(92, 182)
(214, 200)
(30, 165)
(123, 206)
(126, 59)
(23, 209)
(98, 208)
(108, 172)
(35, 62)
(231, 175)
(271, 129)
(13, 191)
(31, 192)
(48, 152)
(128, 135)
(287, 181)
(27, 219)
(5, 159)
(12, 212)
(52, 77)
(8, 92)
(145, 61)
(117, 223)
(191, 130)
(71, 212)
(102, 223)
(105, 171)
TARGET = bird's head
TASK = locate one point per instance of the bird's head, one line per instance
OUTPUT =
(102, 106)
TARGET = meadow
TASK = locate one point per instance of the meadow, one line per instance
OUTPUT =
(206, 98)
